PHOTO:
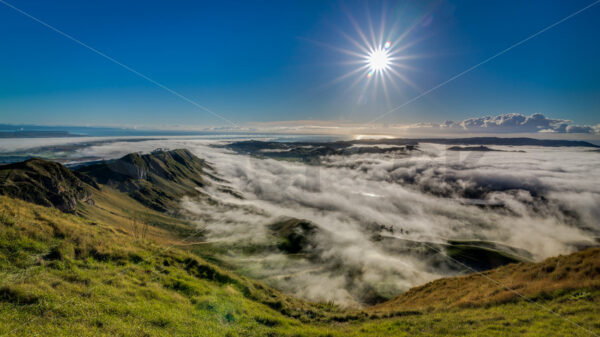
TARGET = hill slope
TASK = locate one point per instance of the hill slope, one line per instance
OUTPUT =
(62, 274)
(43, 182)
(504, 284)
(157, 180)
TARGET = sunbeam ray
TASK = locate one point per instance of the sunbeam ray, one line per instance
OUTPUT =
(380, 55)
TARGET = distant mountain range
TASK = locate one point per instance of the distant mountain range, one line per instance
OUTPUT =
(36, 131)
(36, 134)
(310, 151)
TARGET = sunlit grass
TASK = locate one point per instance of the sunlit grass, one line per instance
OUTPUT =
(65, 275)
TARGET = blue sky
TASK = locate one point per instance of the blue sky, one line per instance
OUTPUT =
(265, 61)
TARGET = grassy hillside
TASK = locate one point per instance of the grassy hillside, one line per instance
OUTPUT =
(505, 284)
(63, 274)
(80, 277)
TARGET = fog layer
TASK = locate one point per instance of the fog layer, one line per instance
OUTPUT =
(545, 201)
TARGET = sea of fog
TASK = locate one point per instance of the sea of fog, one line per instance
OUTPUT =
(549, 197)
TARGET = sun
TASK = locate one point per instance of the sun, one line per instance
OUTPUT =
(379, 60)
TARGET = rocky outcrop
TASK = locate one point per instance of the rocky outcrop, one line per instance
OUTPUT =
(157, 180)
(45, 183)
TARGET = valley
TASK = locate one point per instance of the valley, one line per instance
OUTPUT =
(158, 243)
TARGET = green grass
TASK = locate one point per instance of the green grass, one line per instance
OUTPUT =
(73, 275)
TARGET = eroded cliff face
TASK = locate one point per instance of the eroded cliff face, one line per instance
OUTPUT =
(157, 180)
(45, 183)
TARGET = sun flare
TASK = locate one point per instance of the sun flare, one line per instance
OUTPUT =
(379, 60)
(380, 56)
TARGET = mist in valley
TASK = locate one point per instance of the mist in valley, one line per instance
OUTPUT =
(377, 224)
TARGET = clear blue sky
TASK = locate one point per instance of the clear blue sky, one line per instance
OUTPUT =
(268, 61)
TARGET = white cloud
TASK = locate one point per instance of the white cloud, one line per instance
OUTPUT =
(548, 196)
(512, 123)
(549, 199)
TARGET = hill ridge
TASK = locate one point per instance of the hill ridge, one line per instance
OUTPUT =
(157, 179)
(503, 284)
(44, 182)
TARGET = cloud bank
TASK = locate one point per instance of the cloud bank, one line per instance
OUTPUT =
(531, 201)
(544, 201)
(513, 123)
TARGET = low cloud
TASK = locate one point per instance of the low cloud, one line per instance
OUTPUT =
(530, 201)
(544, 201)
(510, 123)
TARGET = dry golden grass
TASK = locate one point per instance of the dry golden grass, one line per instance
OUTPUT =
(504, 284)
(121, 211)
